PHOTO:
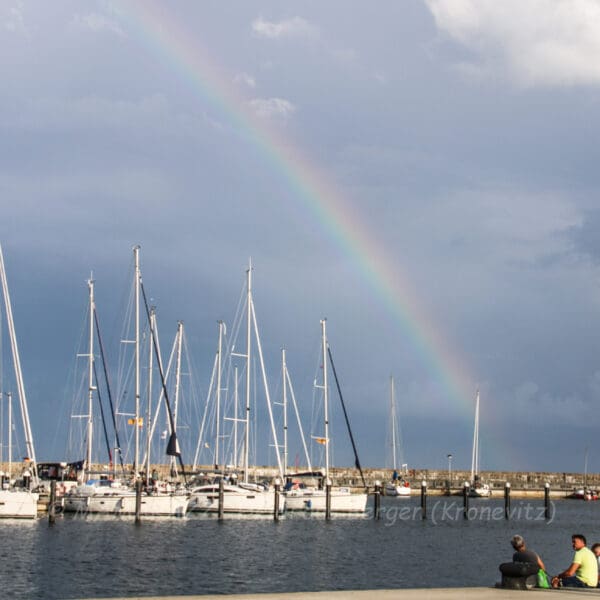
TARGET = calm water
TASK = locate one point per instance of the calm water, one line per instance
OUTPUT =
(93, 557)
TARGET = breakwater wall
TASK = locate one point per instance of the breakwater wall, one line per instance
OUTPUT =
(436, 479)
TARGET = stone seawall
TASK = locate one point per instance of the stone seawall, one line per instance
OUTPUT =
(436, 479)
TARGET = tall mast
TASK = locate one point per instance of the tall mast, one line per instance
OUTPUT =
(235, 417)
(266, 388)
(150, 429)
(248, 364)
(285, 423)
(393, 420)
(218, 407)
(9, 435)
(325, 396)
(475, 454)
(177, 385)
(18, 373)
(136, 255)
(91, 388)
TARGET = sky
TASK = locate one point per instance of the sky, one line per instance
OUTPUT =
(423, 174)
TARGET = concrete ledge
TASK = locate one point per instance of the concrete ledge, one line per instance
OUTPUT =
(483, 593)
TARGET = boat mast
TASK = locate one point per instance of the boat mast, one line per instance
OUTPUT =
(266, 388)
(1, 419)
(325, 396)
(218, 407)
(235, 417)
(18, 373)
(393, 420)
(248, 363)
(285, 423)
(9, 435)
(177, 386)
(475, 454)
(91, 388)
(149, 419)
(136, 255)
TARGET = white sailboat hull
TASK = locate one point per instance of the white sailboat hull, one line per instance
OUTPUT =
(341, 501)
(96, 499)
(235, 500)
(167, 505)
(121, 501)
(395, 489)
(18, 504)
(480, 491)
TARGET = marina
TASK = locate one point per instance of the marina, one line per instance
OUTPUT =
(299, 300)
(198, 554)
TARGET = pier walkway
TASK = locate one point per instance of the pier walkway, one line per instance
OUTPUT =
(474, 593)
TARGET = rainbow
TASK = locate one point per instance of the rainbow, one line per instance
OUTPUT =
(156, 27)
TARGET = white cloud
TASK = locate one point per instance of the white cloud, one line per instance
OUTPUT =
(288, 28)
(98, 23)
(272, 107)
(536, 42)
(245, 79)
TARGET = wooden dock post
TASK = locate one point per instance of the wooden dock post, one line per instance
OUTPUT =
(466, 488)
(377, 501)
(52, 503)
(423, 499)
(547, 500)
(138, 501)
(328, 499)
(507, 500)
(276, 503)
(221, 498)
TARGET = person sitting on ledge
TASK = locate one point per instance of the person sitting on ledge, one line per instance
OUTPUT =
(522, 554)
(583, 571)
(596, 551)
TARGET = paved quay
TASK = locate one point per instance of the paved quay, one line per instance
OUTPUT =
(483, 593)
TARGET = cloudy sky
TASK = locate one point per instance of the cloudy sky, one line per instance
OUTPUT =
(422, 173)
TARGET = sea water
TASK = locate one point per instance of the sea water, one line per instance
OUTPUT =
(93, 556)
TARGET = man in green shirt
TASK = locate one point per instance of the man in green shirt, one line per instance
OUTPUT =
(583, 571)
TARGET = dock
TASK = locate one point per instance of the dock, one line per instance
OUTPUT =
(473, 593)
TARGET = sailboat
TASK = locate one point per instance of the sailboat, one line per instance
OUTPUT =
(110, 495)
(584, 493)
(398, 486)
(314, 499)
(104, 494)
(478, 489)
(18, 501)
(239, 496)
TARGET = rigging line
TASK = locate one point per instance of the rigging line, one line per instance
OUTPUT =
(173, 445)
(102, 416)
(107, 380)
(337, 383)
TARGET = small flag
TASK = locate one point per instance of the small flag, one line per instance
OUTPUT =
(320, 440)
(140, 421)
(163, 435)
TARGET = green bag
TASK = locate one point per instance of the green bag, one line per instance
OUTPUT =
(543, 581)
